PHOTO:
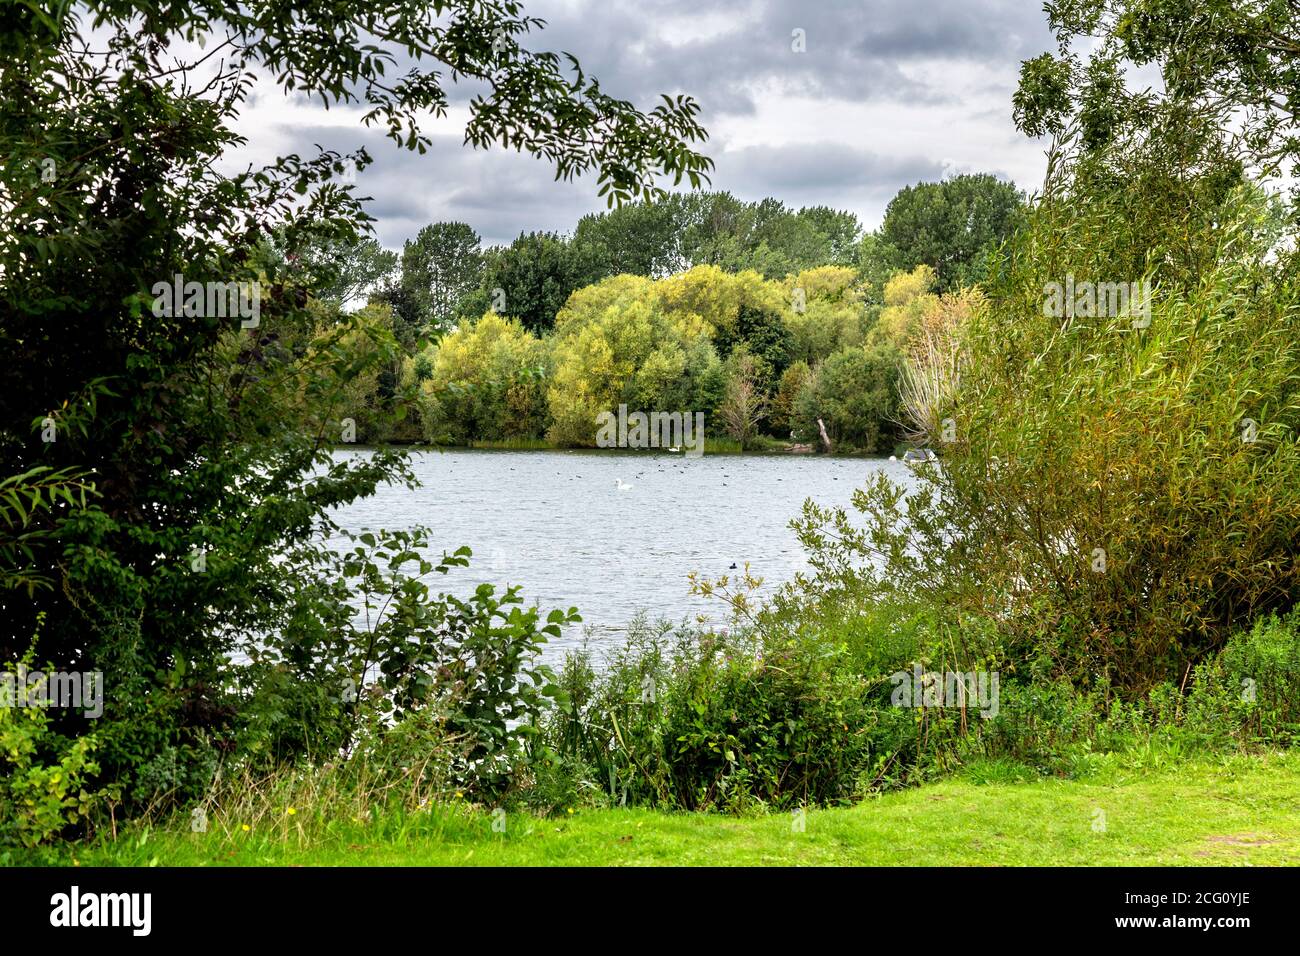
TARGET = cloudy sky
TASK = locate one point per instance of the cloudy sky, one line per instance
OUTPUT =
(887, 93)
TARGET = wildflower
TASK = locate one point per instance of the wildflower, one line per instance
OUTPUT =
(245, 828)
(291, 811)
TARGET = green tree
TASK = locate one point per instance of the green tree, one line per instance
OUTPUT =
(763, 333)
(533, 277)
(1216, 58)
(765, 236)
(1118, 487)
(440, 266)
(854, 393)
(951, 226)
(841, 230)
(744, 403)
(340, 269)
(486, 380)
(208, 438)
(640, 239)
(620, 341)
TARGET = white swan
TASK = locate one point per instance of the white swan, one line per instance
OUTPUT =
(621, 486)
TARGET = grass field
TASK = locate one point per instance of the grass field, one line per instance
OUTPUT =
(1238, 811)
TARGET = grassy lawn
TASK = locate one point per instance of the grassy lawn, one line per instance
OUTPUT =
(1241, 810)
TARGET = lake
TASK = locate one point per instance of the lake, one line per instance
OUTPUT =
(557, 523)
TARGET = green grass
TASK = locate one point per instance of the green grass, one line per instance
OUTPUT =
(1240, 810)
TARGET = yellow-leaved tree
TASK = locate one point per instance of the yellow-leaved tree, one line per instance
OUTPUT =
(484, 380)
(624, 340)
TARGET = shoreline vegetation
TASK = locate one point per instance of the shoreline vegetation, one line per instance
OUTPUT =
(1105, 542)
(1243, 811)
(712, 446)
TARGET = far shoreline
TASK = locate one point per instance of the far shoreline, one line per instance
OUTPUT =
(776, 450)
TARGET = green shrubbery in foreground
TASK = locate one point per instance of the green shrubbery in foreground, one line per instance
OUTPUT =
(682, 720)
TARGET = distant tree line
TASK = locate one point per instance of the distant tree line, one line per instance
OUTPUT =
(784, 303)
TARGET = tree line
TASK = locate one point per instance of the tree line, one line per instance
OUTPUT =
(799, 315)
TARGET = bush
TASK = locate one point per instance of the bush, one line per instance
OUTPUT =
(711, 721)
(43, 775)
(854, 393)
(374, 642)
(1133, 489)
(1256, 680)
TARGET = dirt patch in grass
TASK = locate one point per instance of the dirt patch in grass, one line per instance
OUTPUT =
(1237, 843)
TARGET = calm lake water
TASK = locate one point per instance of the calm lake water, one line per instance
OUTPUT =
(556, 523)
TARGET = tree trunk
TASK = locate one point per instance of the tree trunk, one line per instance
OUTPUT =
(826, 440)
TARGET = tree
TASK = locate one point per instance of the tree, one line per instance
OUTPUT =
(621, 341)
(951, 226)
(1217, 59)
(874, 260)
(825, 311)
(640, 239)
(409, 323)
(718, 229)
(1118, 489)
(341, 269)
(207, 438)
(486, 380)
(908, 299)
(840, 229)
(440, 266)
(793, 380)
(853, 392)
(744, 404)
(533, 277)
(764, 334)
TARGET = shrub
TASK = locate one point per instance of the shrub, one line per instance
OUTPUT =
(854, 393)
(375, 642)
(1103, 483)
(710, 721)
(1256, 680)
(43, 775)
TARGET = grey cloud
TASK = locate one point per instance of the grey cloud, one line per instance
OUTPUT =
(733, 56)
(855, 50)
(728, 52)
(819, 173)
(499, 193)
